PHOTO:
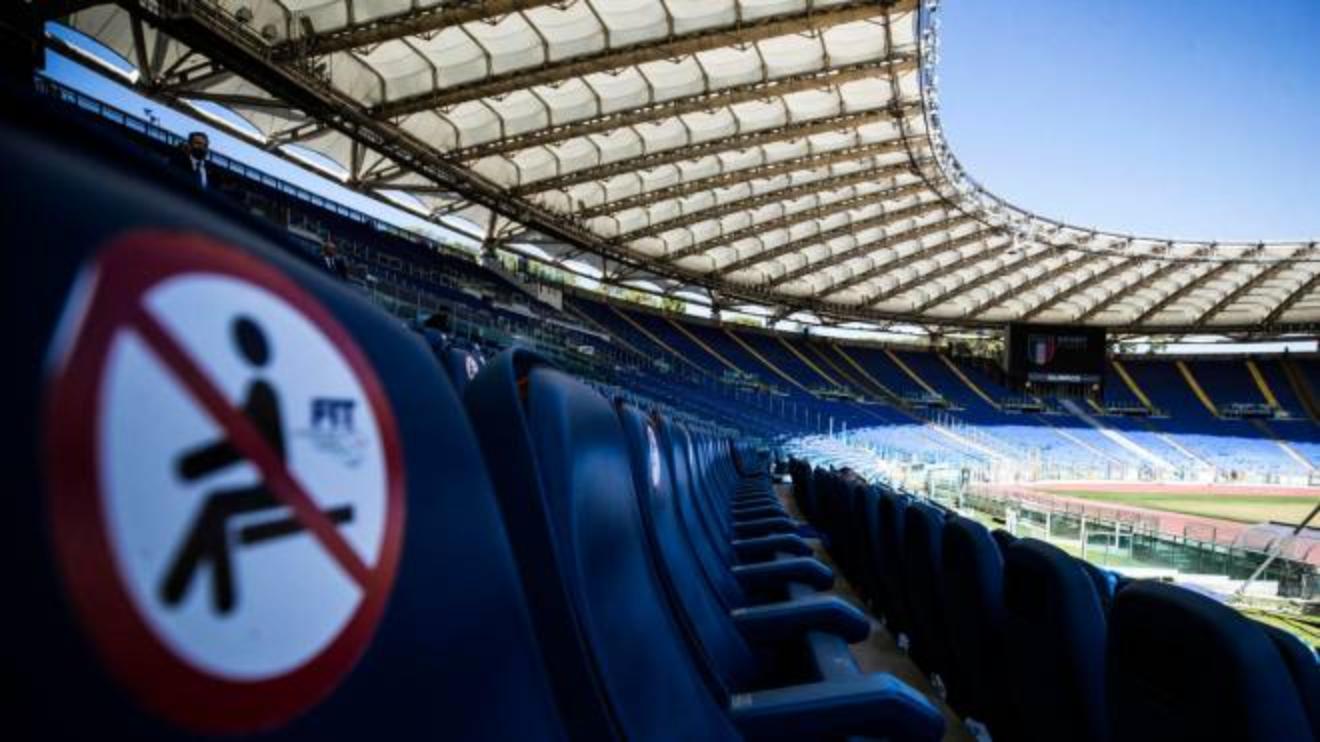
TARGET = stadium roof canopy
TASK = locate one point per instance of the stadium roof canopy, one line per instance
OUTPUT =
(785, 153)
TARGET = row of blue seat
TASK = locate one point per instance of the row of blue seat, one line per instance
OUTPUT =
(568, 566)
(1037, 645)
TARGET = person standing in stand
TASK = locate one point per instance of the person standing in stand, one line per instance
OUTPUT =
(193, 158)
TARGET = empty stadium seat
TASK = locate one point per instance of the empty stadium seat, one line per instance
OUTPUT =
(1056, 642)
(451, 653)
(1303, 663)
(872, 556)
(743, 571)
(739, 646)
(923, 564)
(973, 586)
(567, 474)
(898, 619)
(462, 366)
(1003, 539)
(1183, 666)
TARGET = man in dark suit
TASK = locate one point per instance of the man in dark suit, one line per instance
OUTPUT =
(192, 158)
(332, 260)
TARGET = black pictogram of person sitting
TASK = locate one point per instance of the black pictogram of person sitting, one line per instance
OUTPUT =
(209, 539)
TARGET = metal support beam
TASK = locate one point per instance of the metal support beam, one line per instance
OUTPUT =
(416, 22)
(852, 227)
(1212, 271)
(981, 280)
(647, 161)
(1094, 279)
(235, 100)
(429, 189)
(788, 220)
(923, 252)
(669, 47)
(862, 250)
(240, 51)
(903, 286)
(237, 48)
(1301, 293)
(734, 177)
(1115, 296)
(1231, 297)
(718, 210)
(700, 102)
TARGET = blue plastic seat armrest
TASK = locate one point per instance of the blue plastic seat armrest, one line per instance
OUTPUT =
(791, 619)
(761, 547)
(758, 512)
(764, 526)
(877, 705)
(778, 573)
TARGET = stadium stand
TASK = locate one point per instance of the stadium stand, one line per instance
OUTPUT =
(260, 499)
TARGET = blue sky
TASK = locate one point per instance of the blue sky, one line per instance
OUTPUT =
(1196, 119)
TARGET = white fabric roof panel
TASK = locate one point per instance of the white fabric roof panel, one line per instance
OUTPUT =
(772, 150)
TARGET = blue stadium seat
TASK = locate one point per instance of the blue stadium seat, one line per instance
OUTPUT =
(1003, 539)
(872, 556)
(462, 366)
(453, 654)
(974, 602)
(1303, 664)
(923, 562)
(743, 571)
(893, 509)
(1056, 642)
(808, 503)
(739, 646)
(566, 491)
(852, 530)
(1184, 666)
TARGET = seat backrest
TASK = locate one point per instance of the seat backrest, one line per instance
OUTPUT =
(461, 366)
(852, 528)
(1056, 641)
(1303, 663)
(1105, 581)
(1185, 666)
(1003, 539)
(808, 503)
(702, 534)
(973, 588)
(923, 539)
(565, 470)
(727, 660)
(375, 593)
(821, 495)
(893, 509)
(875, 565)
(873, 556)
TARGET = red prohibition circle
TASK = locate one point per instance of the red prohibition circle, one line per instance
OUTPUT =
(109, 295)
